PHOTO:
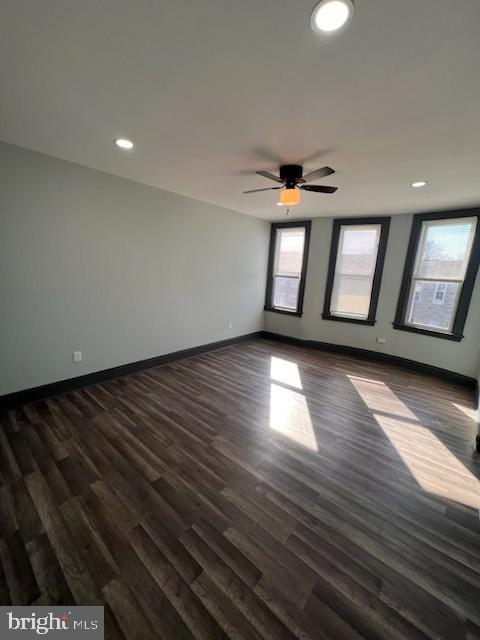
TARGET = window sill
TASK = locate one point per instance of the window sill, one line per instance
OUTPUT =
(296, 314)
(368, 323)
(425, 332)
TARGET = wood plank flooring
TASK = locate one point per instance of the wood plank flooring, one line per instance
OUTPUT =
(258, 491)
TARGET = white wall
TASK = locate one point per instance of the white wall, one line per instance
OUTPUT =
(462, 357)
(119, 270)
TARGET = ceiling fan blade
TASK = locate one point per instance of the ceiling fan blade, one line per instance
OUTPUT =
(270, 176)
(266, 189)
(318, 188)
(318, 173)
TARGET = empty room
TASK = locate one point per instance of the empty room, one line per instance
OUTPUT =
(240, 319)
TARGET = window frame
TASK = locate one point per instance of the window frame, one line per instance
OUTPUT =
(466, 291)
(384, 223)
(306, 224)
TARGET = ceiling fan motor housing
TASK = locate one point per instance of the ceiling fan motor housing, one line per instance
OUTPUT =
(291, 174)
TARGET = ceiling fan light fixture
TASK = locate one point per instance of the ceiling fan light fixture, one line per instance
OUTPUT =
(289, 197)
(331, 15)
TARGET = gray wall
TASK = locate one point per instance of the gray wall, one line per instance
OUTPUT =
(478, 401)
(122, 272)
(462, 357)
(119, 270)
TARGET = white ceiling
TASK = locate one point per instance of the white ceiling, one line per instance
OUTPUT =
(211, 90)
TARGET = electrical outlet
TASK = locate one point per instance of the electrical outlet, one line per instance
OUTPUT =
(230, 325)
(77, 356)
(381, 341)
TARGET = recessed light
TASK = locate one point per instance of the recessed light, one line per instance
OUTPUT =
(419, 184)
(330, 15)
(124, 143)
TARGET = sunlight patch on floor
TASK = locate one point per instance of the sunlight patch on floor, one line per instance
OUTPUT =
(378, 397)
(404, 431)
(289, 415)
(286, 372)
(468, 411)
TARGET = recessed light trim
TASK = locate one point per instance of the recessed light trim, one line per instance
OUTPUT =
(419, 184)
(331, 15)
(124, 143)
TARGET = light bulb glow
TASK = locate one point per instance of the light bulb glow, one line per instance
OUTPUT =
(330, 15)
(419, 184)
(289, 197)
(124, 143)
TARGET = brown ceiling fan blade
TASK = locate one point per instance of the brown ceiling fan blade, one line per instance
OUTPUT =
(318, 188)
(323, 172)
(270, 176)
(267, 189)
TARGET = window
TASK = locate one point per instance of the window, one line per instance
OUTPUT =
(287, 267)
(439, 274)
(357, 254)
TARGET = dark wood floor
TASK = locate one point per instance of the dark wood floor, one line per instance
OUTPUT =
(258, 491)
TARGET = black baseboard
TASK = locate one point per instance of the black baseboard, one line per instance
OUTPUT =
(412, 365)
(47, 390)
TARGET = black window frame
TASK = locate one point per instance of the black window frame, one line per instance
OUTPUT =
(468, 283)
(307, 225)
(384, 223)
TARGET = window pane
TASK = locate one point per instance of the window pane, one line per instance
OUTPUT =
(285, 292)
(351, 295)
(354, 270)
(289, 251)
(445, 248)
(357, 249)
(433, 304)
(439, 293)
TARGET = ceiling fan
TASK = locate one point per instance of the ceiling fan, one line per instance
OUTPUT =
(292, 180)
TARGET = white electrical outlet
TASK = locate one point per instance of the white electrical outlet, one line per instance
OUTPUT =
(77, 356)
(381, 341)
(230, 325)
